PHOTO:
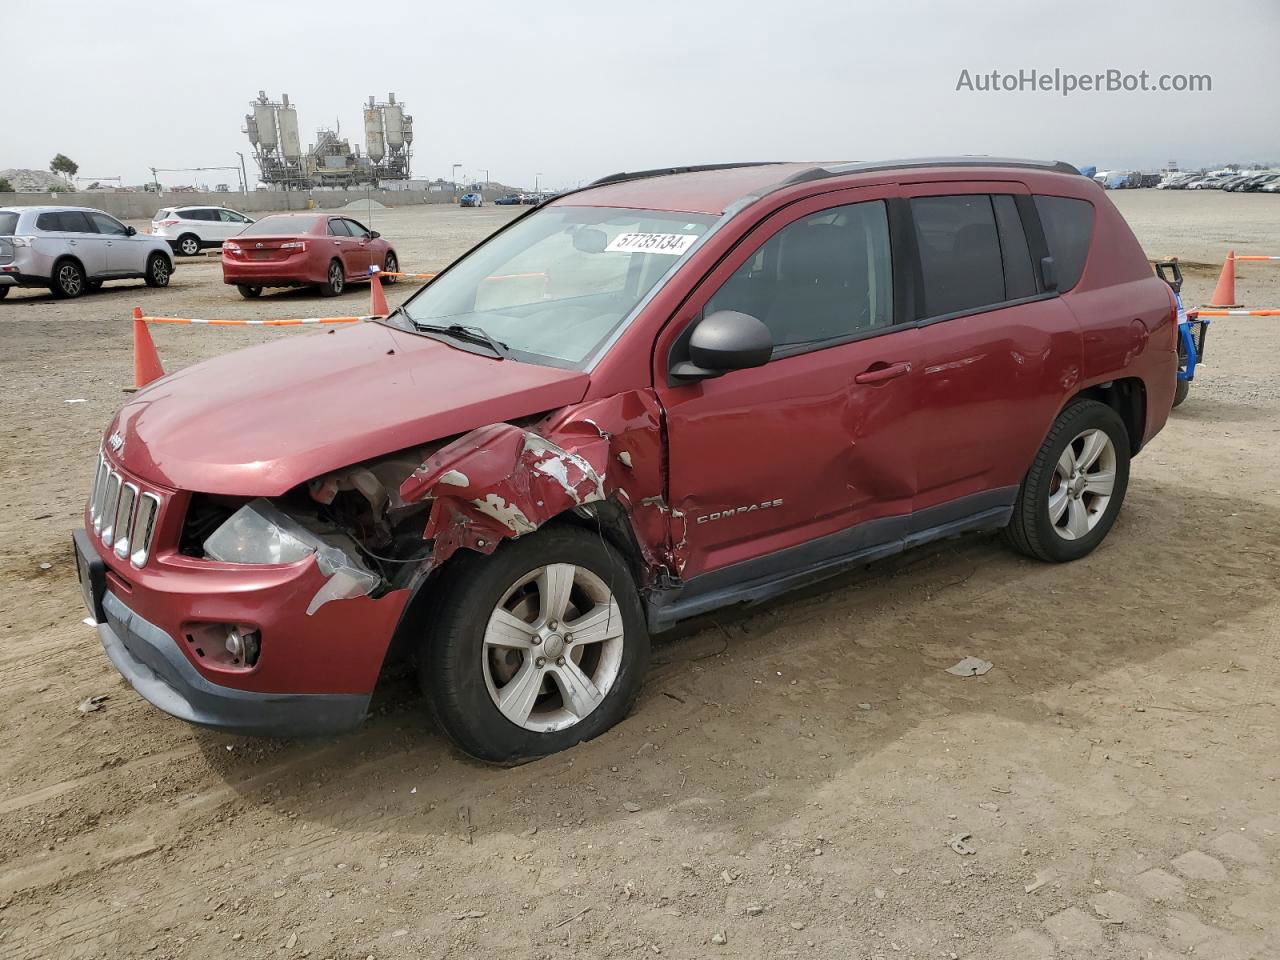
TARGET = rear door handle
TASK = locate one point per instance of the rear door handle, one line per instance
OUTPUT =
(878, 374)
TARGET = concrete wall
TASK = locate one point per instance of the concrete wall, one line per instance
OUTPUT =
(141, 206)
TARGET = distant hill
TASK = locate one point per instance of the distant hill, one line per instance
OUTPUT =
(35, 181)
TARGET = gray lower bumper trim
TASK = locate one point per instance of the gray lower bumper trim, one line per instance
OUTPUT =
(151, 661)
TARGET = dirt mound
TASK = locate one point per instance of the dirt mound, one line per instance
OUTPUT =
(364, 206)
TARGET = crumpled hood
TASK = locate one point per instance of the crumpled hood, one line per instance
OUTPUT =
(260, 421)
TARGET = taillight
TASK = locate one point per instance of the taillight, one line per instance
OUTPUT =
(23, 241)
(294, 245)
(169, 223)
(231, 248)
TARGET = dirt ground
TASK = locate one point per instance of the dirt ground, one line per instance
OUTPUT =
(792, 774)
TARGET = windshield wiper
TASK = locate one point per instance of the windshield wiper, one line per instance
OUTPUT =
(467, 333)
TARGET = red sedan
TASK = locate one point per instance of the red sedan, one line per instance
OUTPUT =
(304, 249)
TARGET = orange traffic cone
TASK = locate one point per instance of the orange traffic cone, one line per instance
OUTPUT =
(1224, 294)
(377, 299)
(146, 362)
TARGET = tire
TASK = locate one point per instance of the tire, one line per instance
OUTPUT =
(188, 245)
(337, 281)
(4, 292)
(248, 292)
(93, 286)
(1181, 391)
(463, 676)
(68, 280)
(1084, 510)
(391, 265)
(158, 270)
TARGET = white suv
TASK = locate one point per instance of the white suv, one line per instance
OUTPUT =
(74, 249)
(190, 229)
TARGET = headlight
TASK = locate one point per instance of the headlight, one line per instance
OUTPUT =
(259, 533)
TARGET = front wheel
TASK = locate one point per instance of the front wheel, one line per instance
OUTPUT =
(1074, 489)
(535, 648)
(391, 265)
(1180, 392)
(335, 282)
(157, 271)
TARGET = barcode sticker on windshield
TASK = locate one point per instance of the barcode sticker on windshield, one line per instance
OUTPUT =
(669, 243)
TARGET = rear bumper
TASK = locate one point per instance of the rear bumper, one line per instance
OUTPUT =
(271, 273)
(149, 659)
(10, 277)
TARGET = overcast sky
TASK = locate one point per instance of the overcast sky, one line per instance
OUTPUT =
(575, 90)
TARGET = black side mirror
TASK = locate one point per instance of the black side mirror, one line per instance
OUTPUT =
(1049, 274)
(374, 234)
(130, 232)
(727, 340)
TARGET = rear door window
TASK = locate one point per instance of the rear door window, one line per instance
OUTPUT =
(959, 253)
(1068, 227)
(73, 221)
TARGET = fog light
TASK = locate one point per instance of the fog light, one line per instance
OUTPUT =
(244, 644)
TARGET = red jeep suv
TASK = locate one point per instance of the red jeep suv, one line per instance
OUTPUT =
(664, 393)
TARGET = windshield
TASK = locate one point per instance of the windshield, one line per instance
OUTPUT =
(556, 284)
(268, 226)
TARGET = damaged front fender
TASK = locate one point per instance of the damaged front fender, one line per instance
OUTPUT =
(503, 481)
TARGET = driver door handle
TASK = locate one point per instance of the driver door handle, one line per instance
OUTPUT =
(879, 373)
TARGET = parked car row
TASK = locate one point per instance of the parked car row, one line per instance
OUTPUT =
(1252, 182)
(527, 199)
(72, 250)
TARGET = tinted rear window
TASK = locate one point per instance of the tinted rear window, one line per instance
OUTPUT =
(279, 225)
(67, 221)
(1068, 225)
(959, 253)
(8, 223)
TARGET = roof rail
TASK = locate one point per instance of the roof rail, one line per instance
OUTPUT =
(864, 166)
(665, 171)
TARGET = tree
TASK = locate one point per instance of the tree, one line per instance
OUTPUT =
(64, 165)
(5, 186)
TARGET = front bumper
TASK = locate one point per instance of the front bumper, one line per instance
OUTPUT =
(149, 659)
(316, 673)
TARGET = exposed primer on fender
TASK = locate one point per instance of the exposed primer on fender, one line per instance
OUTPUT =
(504, 481)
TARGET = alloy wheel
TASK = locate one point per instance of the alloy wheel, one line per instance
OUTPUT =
(553, 647)
(190, 246)
(159, 271)
(70, 280)
(1083, 481)
(336, 279)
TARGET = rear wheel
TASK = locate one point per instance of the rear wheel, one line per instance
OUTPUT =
(68, 280)
(188, 244)
(4, 292)
(1074, 489)
(535, 648)
(157, 270)
(336, 281)
(248, 292)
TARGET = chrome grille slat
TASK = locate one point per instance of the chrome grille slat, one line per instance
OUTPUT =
(144, 524)
(110, 501)
(123, 525)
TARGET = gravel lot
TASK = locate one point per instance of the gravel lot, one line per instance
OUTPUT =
(792, 774)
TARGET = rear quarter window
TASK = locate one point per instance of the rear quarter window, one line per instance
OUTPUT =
(1068, 227)
(8, 223)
